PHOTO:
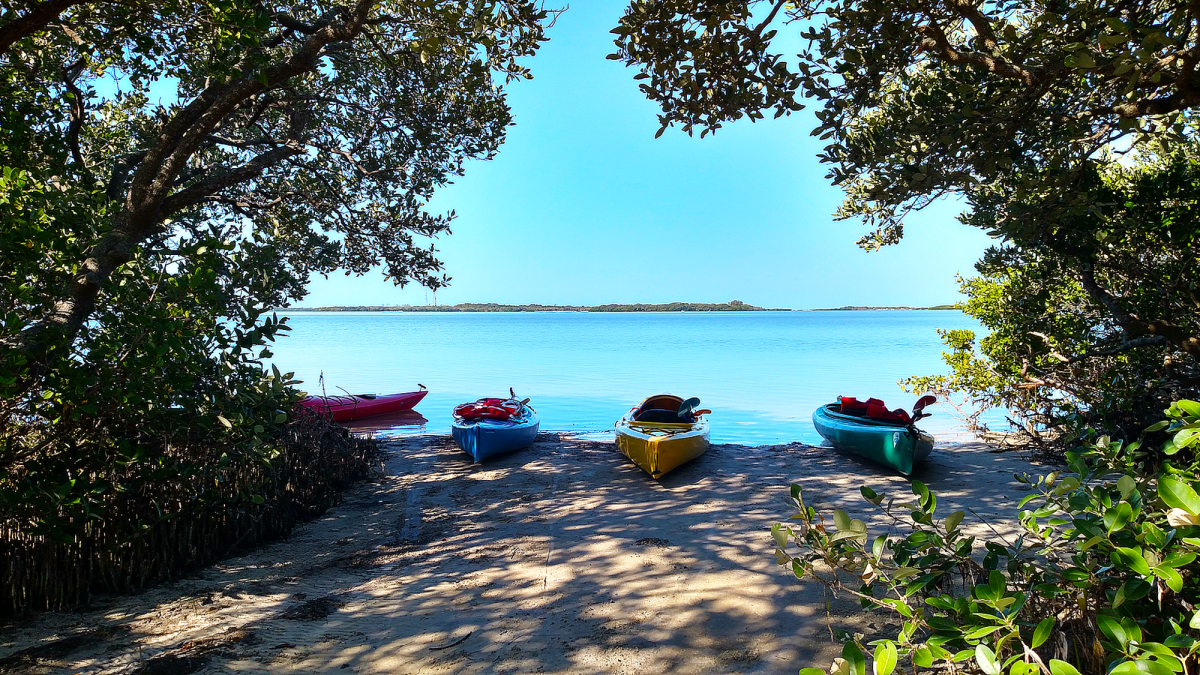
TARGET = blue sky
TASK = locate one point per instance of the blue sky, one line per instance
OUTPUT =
(584, 206)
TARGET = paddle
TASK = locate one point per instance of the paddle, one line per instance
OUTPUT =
(512, 396)
(918, 411)
(688, 406)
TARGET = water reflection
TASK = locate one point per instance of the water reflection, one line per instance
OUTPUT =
(392, 425)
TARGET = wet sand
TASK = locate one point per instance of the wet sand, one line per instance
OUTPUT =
(563, 558)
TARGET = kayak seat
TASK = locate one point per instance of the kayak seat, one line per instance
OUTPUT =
(658, 416)
(873, 409)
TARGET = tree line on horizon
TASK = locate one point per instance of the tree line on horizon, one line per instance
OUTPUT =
(734, 306)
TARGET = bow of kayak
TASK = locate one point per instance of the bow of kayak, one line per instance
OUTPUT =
(901, 447)
(660, 448)
(486, 438)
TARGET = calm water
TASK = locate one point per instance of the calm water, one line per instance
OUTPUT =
(762, 373)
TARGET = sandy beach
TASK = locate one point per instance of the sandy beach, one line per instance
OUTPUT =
(563, 558)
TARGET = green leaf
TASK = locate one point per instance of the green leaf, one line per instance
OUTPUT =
(1194, 622)
(953, 520)
(855, 657)
(1062, 668)
(1191, 408)
(1126, 485)
(779, 535)
(1080, 60)
(877, 546)
(1179, 495)
(1164, 655)
(1140, 667)
(1132, 629)
(898, 605)
(1112, 628)
(922, 657)
(981, 632)
(1117, 517)
(998, 583)
(1186, 437)
(841, 520)
(849, 534)
(1042, 632)
(1178, 558)
(919, 489)
(1169, 576)
(885, 658)
(1179, 641)
(810, 671)
(1131, 558)
(986, 659)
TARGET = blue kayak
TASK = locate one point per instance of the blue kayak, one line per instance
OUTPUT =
(486, 438)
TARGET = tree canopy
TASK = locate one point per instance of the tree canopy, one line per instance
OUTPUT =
(926, 97)
(318, 131)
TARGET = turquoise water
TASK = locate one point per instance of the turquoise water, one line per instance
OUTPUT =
(762, 373)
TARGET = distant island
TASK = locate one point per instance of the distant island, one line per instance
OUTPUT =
(734, 306)
(858, 308)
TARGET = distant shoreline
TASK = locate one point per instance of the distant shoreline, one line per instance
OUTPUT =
(734, 306)
(857, 308)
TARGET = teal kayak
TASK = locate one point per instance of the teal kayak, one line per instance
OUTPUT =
(900, 446)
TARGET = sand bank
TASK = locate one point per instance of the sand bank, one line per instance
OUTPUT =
(564, 558)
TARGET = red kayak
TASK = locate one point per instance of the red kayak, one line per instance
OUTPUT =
(358, 406)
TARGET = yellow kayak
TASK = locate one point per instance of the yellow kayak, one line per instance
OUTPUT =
(662, 434)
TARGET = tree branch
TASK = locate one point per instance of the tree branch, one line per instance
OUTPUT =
(1131, 323)
(1161, 105)
(1126, 345)
(770, 17)
(935, 42)
(36, 19)
(250, 170)
(983, 27)
(77, 117)
(120, 174)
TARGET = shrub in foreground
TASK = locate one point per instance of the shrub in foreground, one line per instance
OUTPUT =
(1102, 577)
(147, 521)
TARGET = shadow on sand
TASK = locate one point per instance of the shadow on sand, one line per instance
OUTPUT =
(564, 558)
